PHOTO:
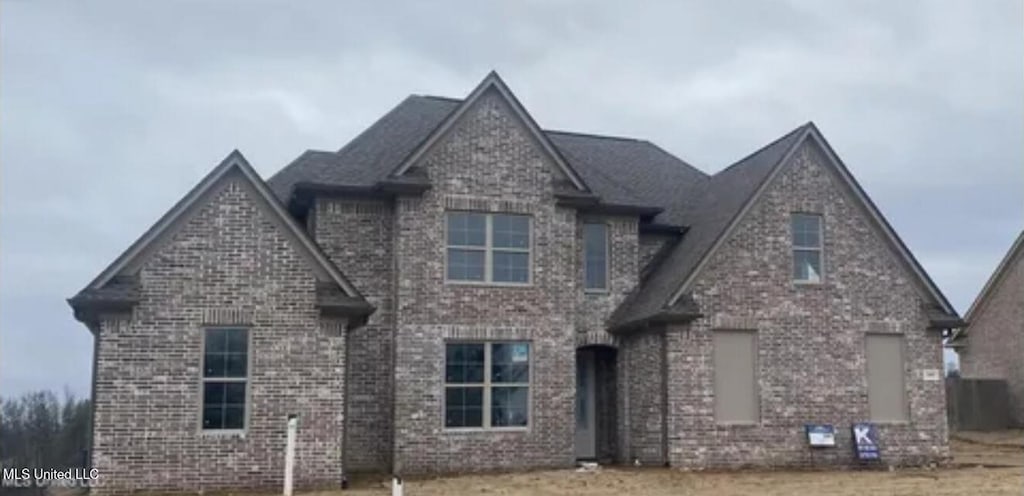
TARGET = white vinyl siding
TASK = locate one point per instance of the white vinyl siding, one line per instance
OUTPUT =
(887, 393)
(735, 377)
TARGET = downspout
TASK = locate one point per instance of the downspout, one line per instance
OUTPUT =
(344, 330)
(664, 396)
(90, 460)
(626, 450)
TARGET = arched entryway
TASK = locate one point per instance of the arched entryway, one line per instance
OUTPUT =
(595, 403)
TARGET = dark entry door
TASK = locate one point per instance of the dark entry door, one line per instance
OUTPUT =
(586, 418)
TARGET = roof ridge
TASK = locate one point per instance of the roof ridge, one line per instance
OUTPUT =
(438, 97)
(339, 151)
(376, 122)
(592, 135)
(765, 147)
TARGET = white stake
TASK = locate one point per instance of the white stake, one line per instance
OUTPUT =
(396, 486)
(289, 455)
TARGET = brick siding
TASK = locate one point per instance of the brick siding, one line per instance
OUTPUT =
(995, 338)
(227, 265)
(487, 162)
(358, 235)
(811, 338)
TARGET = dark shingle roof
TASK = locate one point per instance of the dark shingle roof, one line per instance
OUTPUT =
(621, 171)
(371, 155)
(723, 196)
(629, 171)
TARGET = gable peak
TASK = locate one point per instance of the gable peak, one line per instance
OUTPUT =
(493, 81)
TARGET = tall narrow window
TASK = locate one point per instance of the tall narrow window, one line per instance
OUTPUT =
(735, 376)
(887, 395)
(807, 247)
(487, 385)
(225, 378)
(595, 256)
(488, 248)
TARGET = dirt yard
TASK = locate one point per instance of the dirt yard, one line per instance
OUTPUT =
(984, 464)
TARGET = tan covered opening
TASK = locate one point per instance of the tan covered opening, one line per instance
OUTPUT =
(735, 364)
(887, 393)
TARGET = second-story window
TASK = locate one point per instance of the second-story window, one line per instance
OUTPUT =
(807, 247)
(595, 256)
(488, 248)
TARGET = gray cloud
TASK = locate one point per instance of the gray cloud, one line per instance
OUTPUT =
(110, 111)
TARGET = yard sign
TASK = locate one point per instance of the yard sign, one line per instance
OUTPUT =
(865, 441)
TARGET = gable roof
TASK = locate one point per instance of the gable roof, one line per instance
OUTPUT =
(723, 197)
(492, 82)
(714, 216)
(629, 171)
(113, 284)
(1012, 256)
(620, 171)
(371, 155)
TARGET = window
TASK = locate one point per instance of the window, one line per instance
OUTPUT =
(735, 364)
(887, 395)
(225, 377)
(487, 385)
(806, 247)
(488, 248)
(595, 256)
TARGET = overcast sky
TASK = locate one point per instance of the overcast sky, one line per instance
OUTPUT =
(111, 111)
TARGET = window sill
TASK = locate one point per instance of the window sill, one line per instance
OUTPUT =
(486, 430)
(239, 433)
(738, 424)
(596, 292)
(890, 423)
(808, 284)
(486, 284)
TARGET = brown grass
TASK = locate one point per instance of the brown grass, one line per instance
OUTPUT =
(656, 482)
(984, 464)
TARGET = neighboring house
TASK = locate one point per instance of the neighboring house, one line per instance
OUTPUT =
(992, 346)
(458, 289)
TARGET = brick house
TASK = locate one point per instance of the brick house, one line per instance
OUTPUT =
(457, 289)
(992, 346)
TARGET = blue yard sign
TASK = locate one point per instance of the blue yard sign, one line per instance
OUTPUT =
(865, 441)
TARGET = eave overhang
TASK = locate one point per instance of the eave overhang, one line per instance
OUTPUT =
(332, 302)
(590, 203)
(304, 193)
(660, 318)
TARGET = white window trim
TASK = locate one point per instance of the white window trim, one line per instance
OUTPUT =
(488, 248)
(820, 249)
(247, 380)
(607, 259)
(487, 386)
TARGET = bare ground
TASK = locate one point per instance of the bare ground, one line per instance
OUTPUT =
(656, 482)
(983, 464)
(989, 449)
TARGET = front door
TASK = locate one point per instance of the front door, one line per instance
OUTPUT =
(586, 422)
